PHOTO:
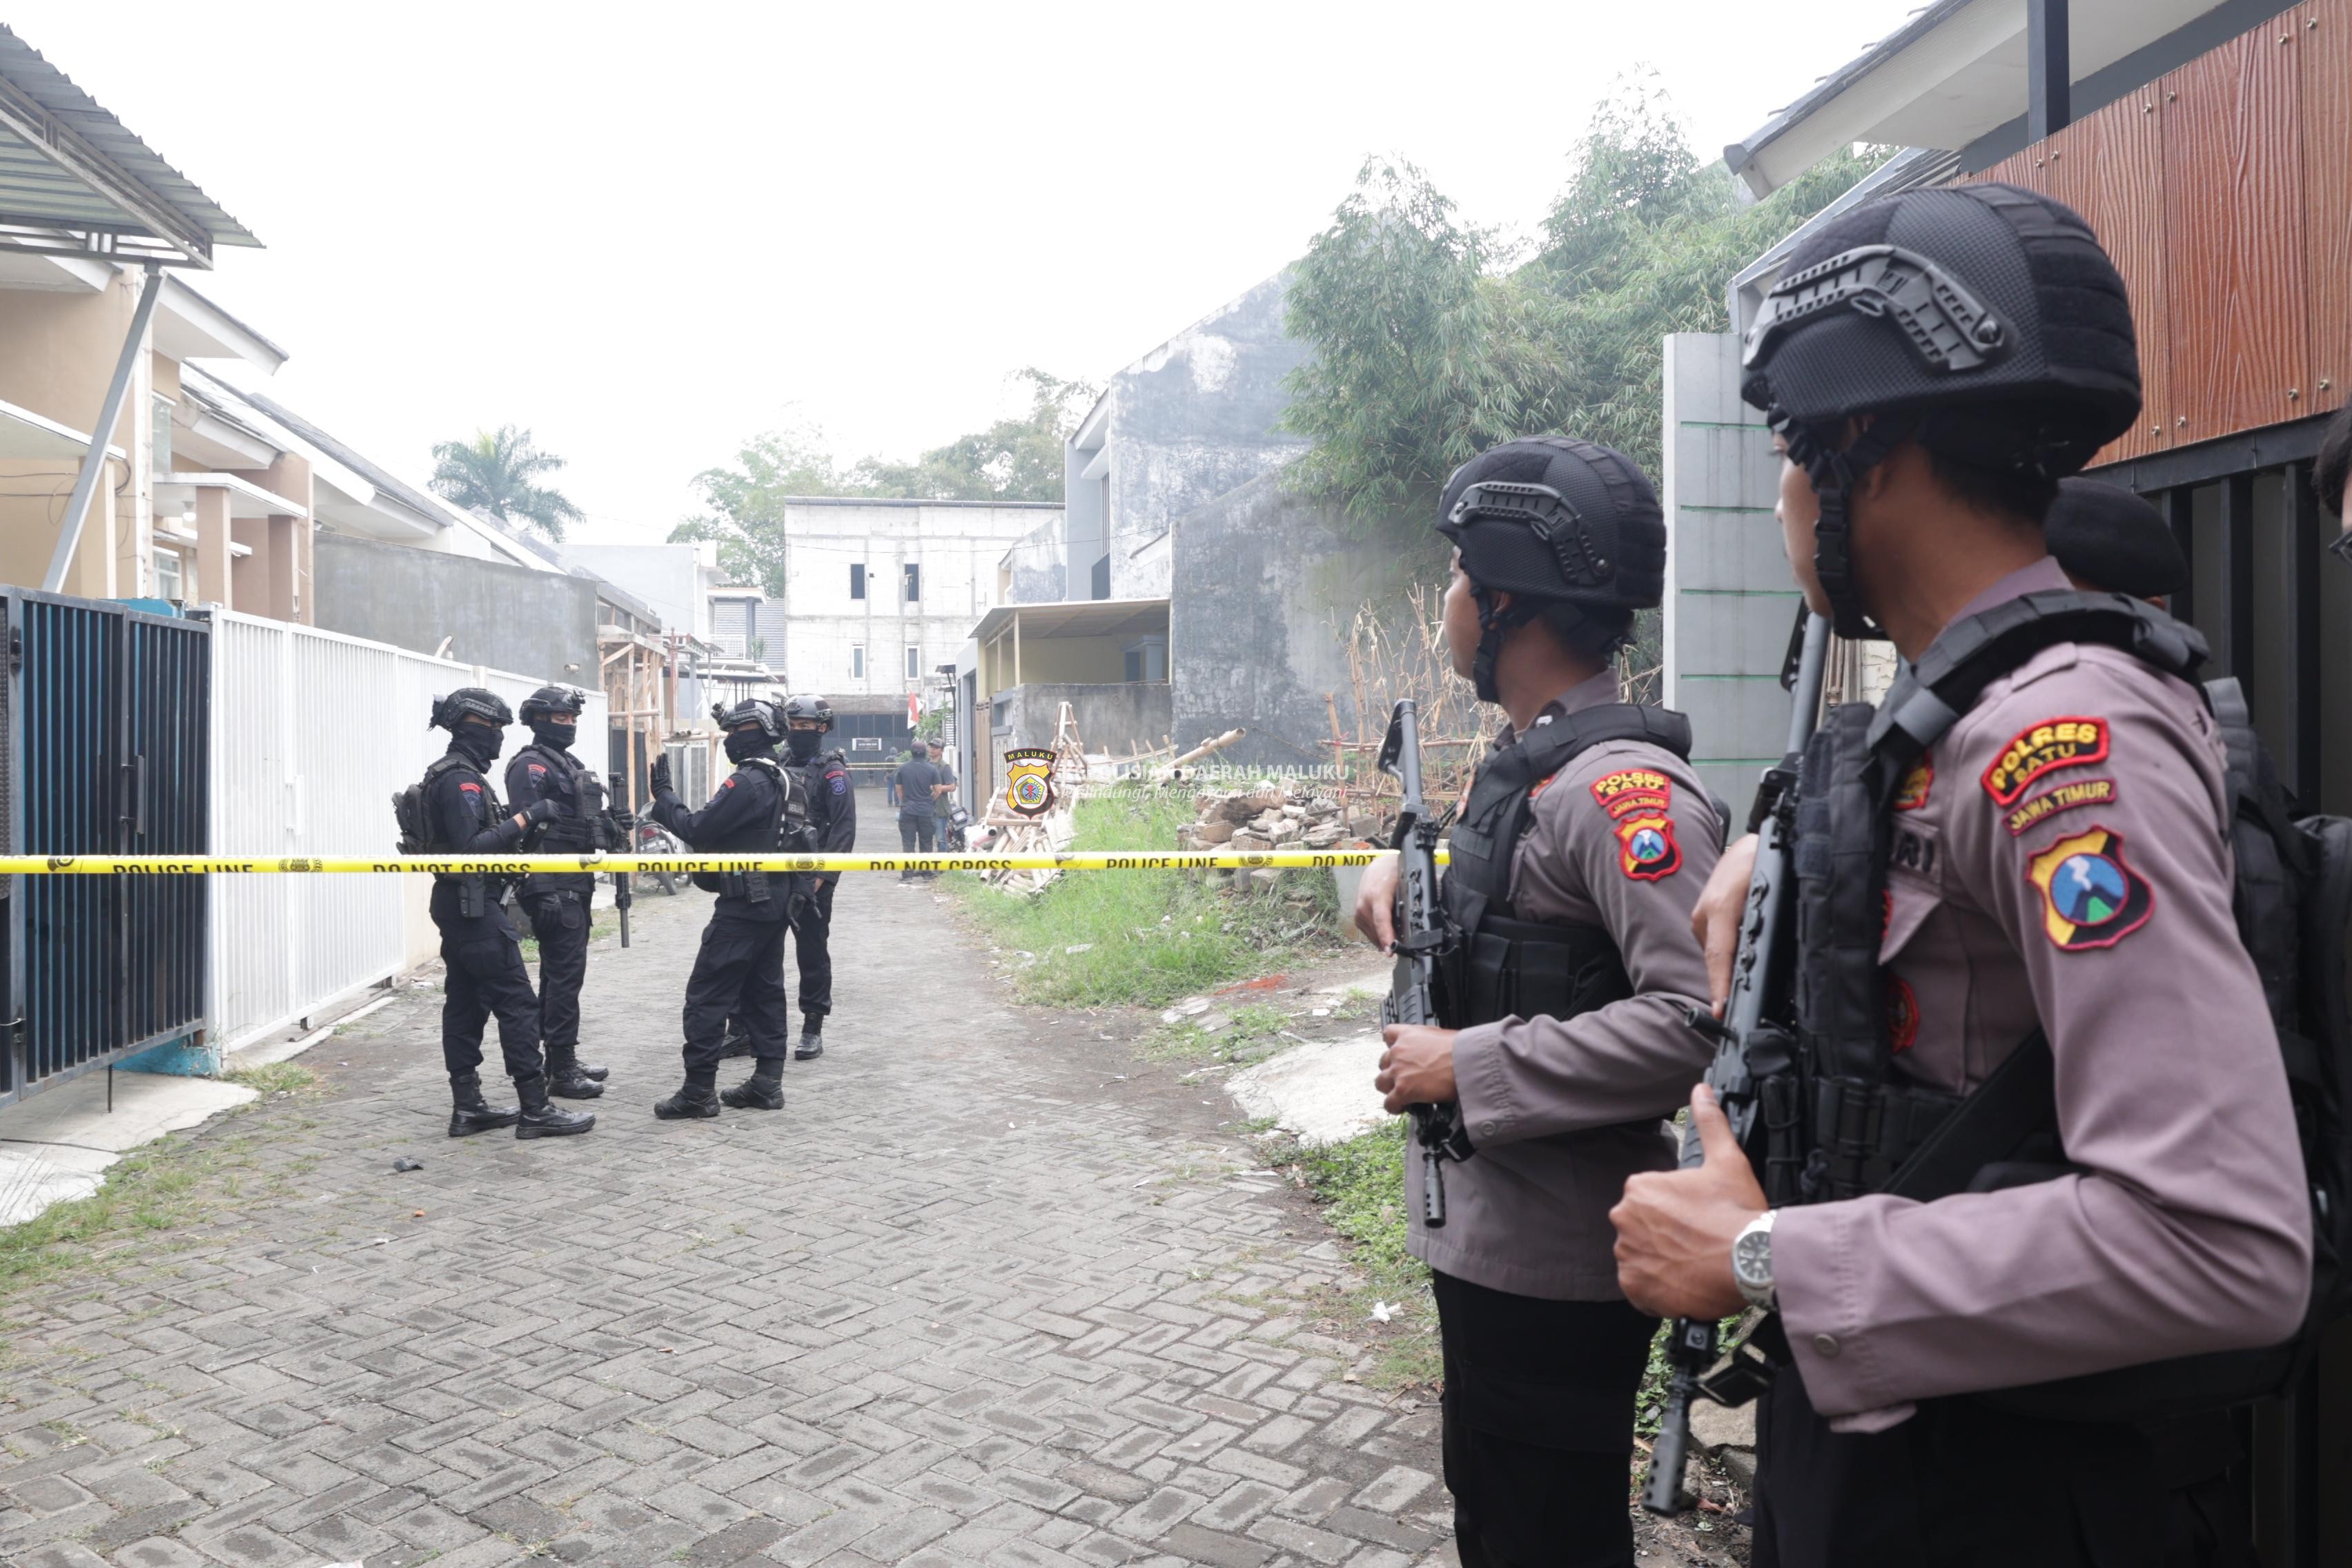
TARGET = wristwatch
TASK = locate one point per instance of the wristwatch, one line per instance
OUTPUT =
(1751, 1259)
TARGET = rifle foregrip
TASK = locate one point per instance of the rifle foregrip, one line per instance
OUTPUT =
(1433, 1189)
(1662, 1492)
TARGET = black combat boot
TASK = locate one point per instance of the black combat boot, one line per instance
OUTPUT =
(696, 1096)
(590, 1070)
(736, 1043)
(541, 1120)
(812, 1044)
(467, 1114)
(566, 1079)
(763, 1090)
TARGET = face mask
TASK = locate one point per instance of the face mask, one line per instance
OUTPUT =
(743, 743)
(805, 744)
(479, 742)
(560, 736)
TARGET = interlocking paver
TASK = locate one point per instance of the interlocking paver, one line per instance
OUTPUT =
(985, 1294)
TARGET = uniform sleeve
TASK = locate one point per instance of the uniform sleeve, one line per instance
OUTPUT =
(2191, 1230)
(836, 790)
(461, 814)
(1641, 871)
(738, 803)
(526, 781)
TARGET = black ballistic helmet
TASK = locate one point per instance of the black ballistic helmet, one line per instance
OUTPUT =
(2106, 536)
(1984, 321)
(1559, 525)
(751, 711)
(552, 700)
(469, 701)
(805, 709)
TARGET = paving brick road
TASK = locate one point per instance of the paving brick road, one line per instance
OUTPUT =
(971, 1297)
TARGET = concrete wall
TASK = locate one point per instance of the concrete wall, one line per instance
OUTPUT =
(1730, 600)
(59, 339)
(669, 578)
(1263, 581)
(1037, 566)
(508, 617)
(1120, 717)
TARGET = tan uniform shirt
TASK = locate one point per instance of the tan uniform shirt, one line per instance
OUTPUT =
(2062, 857)
(1562, 1111)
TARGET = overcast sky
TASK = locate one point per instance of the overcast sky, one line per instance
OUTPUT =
(646, 233)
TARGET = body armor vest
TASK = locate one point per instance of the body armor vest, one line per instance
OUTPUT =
(580, 826)
(1500, 965)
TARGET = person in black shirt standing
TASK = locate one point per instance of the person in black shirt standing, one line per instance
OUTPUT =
(833, 828)
(483, 955)
(919, 786)
(558, 902)
(740, 969)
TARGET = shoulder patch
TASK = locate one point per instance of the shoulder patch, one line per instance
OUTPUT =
(2041, 749)
(1646, 850)
(840, 782)
(1902, 1015)
(469, 786)
(2065, 797)
(730, 784)
(1631, 783)
(537, 769)
(2090, 896)
(1912, 794)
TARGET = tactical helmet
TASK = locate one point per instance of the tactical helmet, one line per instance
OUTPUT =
(751, 711)
(2106, 536)
(1555, 522)
(469, 701)
(1982, 320)
(553, 699)
(804, 710)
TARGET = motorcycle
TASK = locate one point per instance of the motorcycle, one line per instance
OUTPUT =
(653, 839)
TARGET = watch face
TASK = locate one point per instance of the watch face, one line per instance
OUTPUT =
(1751, 1257)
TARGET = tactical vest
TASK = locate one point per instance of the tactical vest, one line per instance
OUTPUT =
(412, 811)
(577, 830)
(788, 831)
(1500, 965)
(1835, 1126)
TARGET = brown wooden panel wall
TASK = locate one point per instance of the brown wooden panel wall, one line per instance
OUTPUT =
(2223, 192)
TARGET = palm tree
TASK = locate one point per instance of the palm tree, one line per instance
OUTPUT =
(493, 473)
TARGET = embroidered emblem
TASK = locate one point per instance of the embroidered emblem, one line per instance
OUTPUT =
(2065, 797)
(730, 784)
(1646, 850)
(538, 771)
(1902, 1015)
(1620, 795)
(1535, 791)
(1912, 794)
(840, 782)
(2044, 748)
(2090, 896)
(471, 788)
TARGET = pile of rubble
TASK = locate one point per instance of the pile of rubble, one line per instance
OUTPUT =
(1271, 818)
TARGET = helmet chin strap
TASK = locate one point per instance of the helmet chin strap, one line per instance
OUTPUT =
(1493, 622)
(1834, 473)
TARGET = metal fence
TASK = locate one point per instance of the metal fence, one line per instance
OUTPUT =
(313, 733)
(103, 720)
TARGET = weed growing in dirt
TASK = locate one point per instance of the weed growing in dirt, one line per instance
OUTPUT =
(276, 1078)
(1097, 938)
(1360, 1185)
(1252, 1033)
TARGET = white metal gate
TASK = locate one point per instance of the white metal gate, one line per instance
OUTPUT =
(313, 733)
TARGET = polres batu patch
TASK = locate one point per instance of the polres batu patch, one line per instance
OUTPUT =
(2090, 896)
(2041, 749)
(1629, 790)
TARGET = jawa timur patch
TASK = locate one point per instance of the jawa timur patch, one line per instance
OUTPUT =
(2043, 749)
(2065, 797)
(2090, 896)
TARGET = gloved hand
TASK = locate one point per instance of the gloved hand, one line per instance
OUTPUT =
(661, 776)
(540, 810)
(624, 822)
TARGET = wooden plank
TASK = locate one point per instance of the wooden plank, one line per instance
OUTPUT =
(2235, 263)
(2326, 29)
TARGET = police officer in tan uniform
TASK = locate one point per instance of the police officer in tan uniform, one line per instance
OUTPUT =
(2056, 866)
(1575, 860)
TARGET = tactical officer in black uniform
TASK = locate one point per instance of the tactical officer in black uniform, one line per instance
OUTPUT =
(832, 830)
(740, 969)
(484, 956)
(558, 902)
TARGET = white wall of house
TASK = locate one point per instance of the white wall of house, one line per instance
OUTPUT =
(673, 580)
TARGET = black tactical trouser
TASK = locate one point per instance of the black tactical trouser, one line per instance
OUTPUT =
(486, 975)
(917, 833)
(738, 973)
(1539, 1425)
(560, 921)
(1959, 1485)
(811, 951)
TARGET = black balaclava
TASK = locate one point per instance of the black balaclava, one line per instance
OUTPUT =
(547, 732)
(805, 744)
(480, 743)
(743, 743)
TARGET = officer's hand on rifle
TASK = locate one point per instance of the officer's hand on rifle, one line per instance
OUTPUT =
(1376, 903)
(1418, 1067)
(1675, 1228)
(1715, 918)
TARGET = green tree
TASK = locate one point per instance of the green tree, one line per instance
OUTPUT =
(497, 472)
(1011, 460)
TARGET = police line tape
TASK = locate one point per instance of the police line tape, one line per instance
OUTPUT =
(516, 865)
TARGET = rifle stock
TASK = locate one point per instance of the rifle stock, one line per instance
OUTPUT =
(1754, 1027)
(1421, 939)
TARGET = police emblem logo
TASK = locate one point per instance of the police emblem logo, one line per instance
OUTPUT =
(1646, 850)
(2042, 749)
(1902, 1015)
(2090, 895)
(1912, 792)
(1029, 781)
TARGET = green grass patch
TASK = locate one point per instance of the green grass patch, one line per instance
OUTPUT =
(1253, 1033)
(162, 1187)
(276, 1078)
(1360, 1185)
(1146, 938)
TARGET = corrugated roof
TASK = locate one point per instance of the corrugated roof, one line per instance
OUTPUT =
(65, 163)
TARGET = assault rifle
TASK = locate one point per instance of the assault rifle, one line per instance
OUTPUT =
(1422, 937)
(1753, 1040)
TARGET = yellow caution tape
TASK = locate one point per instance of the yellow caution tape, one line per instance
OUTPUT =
(516, 865)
